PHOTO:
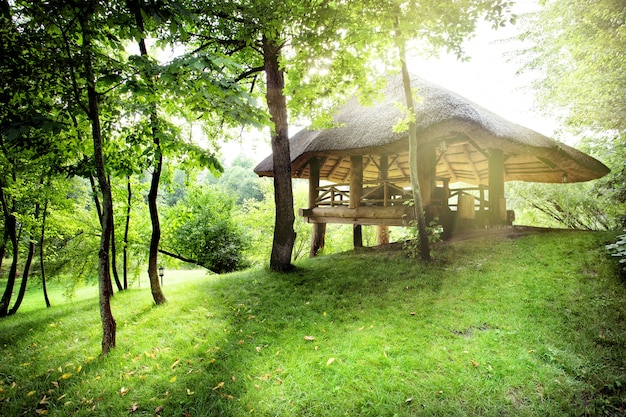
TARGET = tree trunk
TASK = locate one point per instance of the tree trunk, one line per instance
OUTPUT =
(284, 234)
(418, 207)
(153, 260)
(29, 260)
(116, 276)
(153, 272)
(41, 254)
(22, 291)
(126, 228)
(96, 200)
(104, 271)
(10, 225)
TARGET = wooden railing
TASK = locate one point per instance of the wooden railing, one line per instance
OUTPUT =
(386, 193)
(373, 193)
(481, 203)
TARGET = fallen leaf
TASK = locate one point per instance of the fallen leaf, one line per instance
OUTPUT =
(172, 366)
(476, 364)
(258, 349)
(133, 408)
(44, 401)
(280, 381)
(124, 391)
(172, 379)
(329, 361)
(309, 338)
(190, 392)
(41, 411)
(158, 409)
(233, 378)
(31, 393)
(409, 400)
(218, 386)
(67, 375)
(80, 368)
(55, 384)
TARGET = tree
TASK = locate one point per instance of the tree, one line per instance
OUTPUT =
(454, 32)
(575, 53)
(286, 41)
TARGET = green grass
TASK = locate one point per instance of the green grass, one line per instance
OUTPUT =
(534, 326)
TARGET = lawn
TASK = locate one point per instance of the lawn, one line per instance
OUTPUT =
(498, 326)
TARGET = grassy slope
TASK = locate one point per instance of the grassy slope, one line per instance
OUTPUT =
(533, 326)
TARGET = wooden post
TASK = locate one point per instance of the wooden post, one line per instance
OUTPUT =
(356, 186)
(356, 180)
(383, 235)
(496, 186)
(318, 233)
(426, 167)
(357, 234)
(383, 231)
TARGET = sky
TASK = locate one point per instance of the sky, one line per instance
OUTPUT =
(487, 79)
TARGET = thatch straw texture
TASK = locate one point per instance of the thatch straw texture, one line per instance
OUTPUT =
(463, 132)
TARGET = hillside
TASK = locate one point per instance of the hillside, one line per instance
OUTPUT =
(500, 326)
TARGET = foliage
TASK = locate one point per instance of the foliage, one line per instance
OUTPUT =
(574, 206)
(574, 53)
(474, 335)
(201, 228)
(618, 250)
(239, 180)
(411, 245)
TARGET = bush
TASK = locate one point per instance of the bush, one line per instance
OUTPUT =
(200, 228)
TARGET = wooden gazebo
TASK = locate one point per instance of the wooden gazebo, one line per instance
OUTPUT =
(358, 171)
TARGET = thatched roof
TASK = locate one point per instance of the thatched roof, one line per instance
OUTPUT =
(469, 133)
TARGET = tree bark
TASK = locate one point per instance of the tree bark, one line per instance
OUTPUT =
(10, 225)
(41, 254)
(284, 234)
(116, 276)
(104, 271)
(22, 291)
(418, 206)
(126, 229)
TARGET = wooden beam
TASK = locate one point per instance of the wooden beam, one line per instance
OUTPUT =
(449, 168)
(426, 166)
(496, 186)
(472, 166)
(385, 216)
(314, 180)
(335, 167)
(318, 234)
(356, 180)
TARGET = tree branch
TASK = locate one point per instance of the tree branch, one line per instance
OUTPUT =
(182, 258)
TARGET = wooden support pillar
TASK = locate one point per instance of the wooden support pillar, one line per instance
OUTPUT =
(426, 168)
(383, 235)
(318, 233)
(357, 236)
(383, 231)
(356, 187)
(497, 213)
(356, 180)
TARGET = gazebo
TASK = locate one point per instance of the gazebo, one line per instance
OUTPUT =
(358, 171)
